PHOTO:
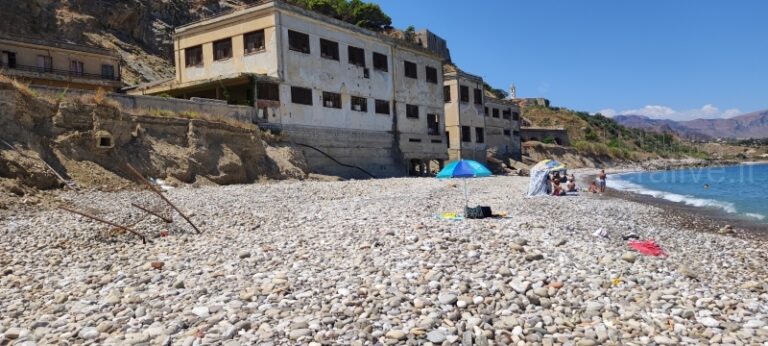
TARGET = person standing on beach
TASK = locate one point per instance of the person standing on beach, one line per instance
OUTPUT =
(602, 178)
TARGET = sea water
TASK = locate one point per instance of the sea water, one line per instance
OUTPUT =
(740, 190)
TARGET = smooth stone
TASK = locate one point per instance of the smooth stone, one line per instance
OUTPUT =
(447, 299)
(630, 257)
(298, 333)
(88, 333)
(395, 334)
(436, 336)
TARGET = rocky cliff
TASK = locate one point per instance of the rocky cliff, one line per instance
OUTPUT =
(90, 141)
(140, 30)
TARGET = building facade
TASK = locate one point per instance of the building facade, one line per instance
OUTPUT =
(57, 64)
(363, 98)
(464, 102)
(502, 124)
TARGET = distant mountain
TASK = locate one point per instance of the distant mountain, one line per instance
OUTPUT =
(752, 125)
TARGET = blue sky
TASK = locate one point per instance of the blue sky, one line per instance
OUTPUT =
(665, 59)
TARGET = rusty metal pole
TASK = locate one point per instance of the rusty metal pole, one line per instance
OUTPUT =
(146, 210)
(160, 194)
(73, 211)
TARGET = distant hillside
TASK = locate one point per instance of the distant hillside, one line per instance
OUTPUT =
(596, 134)
(752, 125)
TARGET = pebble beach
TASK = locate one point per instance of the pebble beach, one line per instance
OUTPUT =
(369, 263)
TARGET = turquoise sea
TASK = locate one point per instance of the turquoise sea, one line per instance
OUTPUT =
(740, 190)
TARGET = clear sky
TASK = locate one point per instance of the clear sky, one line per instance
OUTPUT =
(675, 59)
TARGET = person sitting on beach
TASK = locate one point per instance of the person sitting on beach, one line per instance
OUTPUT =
(602, 178)
(593, 187)
(571, 187)
(557, 190)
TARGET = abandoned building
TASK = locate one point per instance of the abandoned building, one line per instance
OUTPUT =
(464, 115)
(361, 97)
(57, 64)
(502, 127)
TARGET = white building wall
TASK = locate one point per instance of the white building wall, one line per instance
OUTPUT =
(321, 74)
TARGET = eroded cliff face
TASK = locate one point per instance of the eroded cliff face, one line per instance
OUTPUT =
(139, 29)
(90, 144)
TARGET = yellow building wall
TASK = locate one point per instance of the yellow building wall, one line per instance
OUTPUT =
(262, 62)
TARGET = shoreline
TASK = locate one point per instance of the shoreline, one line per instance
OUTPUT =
(698, 219)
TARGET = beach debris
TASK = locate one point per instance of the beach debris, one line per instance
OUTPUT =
(616, 281)
(601, 233)
(648, 247)
(159, 193)
(118, 226)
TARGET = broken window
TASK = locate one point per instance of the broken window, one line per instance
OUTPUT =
(431, 75)
(507, 132)
(253, 42)
(45, 63)
(466, 134)
(356, 56)
(433, 124)
(359, 104)
(515, 116)
(414, 140)
(382, 107)
(329, 49)
(447, 93)
(222, 49)
(437, 141)
(8, 59)
(479, 135)
(268, 91)
(485, 111)
(464, 97)
(194, 56)
(302, 96)
(410, 70)
(331, 100)
(478, 97)
(380, 62)
(495, 112)
(76, 67)
(298, 42)
(107, 71)
(506, 114)
(448, 138)
(411, 111)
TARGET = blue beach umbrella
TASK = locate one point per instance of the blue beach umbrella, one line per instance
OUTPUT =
(464, 169)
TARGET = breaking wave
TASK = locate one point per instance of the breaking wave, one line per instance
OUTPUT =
(623, 185)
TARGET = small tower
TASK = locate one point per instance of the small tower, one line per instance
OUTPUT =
(513, 92)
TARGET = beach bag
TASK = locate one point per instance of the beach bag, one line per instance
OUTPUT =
(478, 212)
(473, 213)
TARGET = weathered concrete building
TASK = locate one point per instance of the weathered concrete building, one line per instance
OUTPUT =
(363, 98)
(502, 124)
(464, 115)
(57, 64)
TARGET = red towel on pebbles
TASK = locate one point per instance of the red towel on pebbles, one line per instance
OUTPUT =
(648, 247)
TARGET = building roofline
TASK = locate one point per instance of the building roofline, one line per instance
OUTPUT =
(60, 45)
(284, 6)
(451, 69)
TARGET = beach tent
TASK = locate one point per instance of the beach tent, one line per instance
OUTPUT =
(538, 183)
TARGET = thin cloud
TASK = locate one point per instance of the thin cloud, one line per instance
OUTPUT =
(708, 111)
